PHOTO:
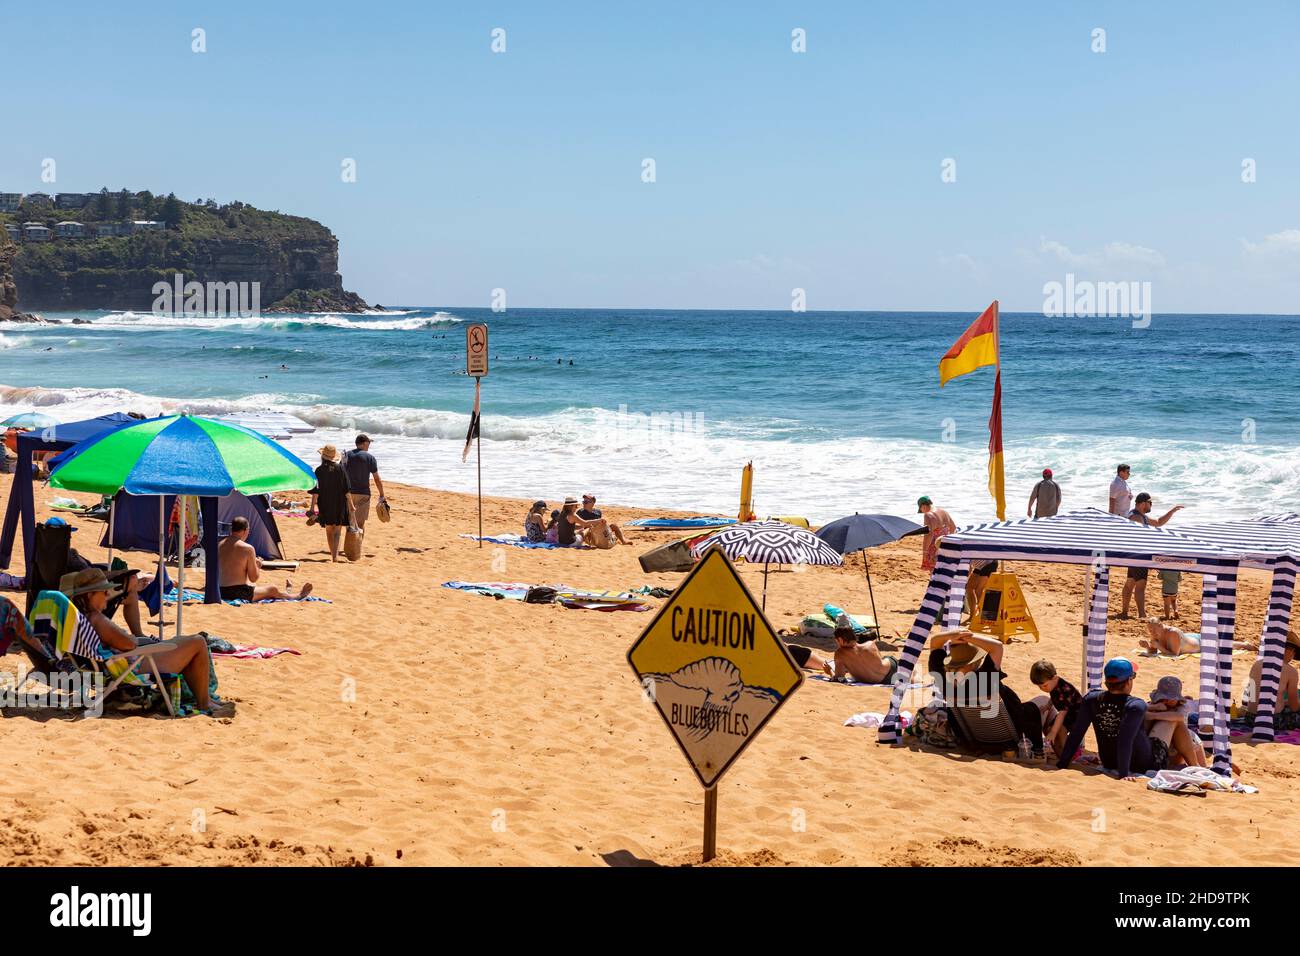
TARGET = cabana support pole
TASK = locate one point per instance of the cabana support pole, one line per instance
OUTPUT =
(162, 566)
(957, 596)
(180, 561)
(1280, 603)
(1209, 656)
(1094, 648)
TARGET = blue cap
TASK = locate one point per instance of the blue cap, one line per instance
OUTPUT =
(1119, 669)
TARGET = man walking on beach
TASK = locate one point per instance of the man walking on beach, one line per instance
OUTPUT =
(1046, 496)
(1120, 496)
(1136, 581)
(360, 465)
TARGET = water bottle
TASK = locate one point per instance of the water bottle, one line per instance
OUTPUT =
(1023, 751)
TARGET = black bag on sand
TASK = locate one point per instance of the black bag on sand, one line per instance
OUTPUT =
(540, 594)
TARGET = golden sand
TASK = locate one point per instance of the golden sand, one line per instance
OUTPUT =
(425, 726)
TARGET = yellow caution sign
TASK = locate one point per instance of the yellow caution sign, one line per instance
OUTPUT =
(1004, 612)
(713, 666)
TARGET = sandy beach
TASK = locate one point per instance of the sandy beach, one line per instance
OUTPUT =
(423, 726)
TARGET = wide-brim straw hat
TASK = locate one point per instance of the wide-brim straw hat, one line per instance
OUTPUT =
(85, 581)
(571, 501)
(329, 453)
(962, 655)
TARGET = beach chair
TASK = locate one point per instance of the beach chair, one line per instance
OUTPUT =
(61, 643)
(981, 731)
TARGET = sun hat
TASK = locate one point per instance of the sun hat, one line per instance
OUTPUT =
(963, 654)
(1167, 688)
(570, 500)
(923, 500)
(1119, 669)
(86, 580)
(1293, 639)
(1047, 473)
(329, 453)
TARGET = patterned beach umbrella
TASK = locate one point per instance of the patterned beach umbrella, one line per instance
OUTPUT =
(30, 420)
(769, 542)
(181, 455)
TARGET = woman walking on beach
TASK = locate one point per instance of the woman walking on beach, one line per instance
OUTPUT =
(937, 523)
(330, 503)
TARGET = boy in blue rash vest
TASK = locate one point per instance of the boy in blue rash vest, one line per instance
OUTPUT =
(1117, 721)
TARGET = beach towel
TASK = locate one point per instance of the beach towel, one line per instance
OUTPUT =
(252, 652)
(1138, 652)
(1195, 780)
(56, 620)
(850, 682)
(569, 597)
(516, 541)
(12, 582)
(196, 597)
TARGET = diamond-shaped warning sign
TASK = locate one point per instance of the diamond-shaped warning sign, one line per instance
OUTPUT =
(714, 667)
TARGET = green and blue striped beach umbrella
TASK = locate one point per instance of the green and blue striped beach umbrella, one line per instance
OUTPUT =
(181, 455)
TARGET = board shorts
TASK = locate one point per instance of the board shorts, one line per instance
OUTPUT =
(800, 654)
(893, 668)
(1159, 754)
(1138, 574)
(237, 592)
(360, 507)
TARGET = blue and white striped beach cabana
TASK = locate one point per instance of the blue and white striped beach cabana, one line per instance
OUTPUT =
(1102, 541)
(1272, 544)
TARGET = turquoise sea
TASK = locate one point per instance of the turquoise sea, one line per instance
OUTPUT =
(839, 411)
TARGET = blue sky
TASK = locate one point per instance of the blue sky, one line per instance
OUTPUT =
(775, 170)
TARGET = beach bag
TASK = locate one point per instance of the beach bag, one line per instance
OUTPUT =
(933, 726)
(352, 544)
(382, 511)
(540, 594)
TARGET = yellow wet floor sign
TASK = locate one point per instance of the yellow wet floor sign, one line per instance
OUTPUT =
(1008, 612)
(713, 666)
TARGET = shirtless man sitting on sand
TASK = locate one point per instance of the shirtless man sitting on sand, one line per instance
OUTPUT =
(863, 662)
(238, 562)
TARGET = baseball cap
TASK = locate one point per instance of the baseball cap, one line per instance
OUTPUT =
(1119, 669)
(57, 522)
(923, 500)
(1144, 496)
(1047, 473)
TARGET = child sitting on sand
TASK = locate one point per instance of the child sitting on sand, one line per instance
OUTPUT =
(1065, 699)
(1166, 721)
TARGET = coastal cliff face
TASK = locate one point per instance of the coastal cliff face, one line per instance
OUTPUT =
(293, 259)
(78, 279)
(8, 288)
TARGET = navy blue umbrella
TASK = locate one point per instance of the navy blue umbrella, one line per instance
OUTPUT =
(859, 532)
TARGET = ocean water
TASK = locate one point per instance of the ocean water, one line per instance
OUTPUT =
(840, 412)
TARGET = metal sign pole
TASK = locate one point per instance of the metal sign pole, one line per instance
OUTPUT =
(710, 823)
(478, 454)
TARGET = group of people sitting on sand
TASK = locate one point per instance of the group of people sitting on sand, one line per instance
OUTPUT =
(572, 526)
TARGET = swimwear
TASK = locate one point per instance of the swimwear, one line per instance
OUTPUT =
(237, 592)
(800, 654)
(893, 668)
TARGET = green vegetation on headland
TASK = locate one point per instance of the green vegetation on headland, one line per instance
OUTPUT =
(294, 259)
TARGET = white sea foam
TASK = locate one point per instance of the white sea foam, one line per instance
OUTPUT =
(682, 464)
(141, 321)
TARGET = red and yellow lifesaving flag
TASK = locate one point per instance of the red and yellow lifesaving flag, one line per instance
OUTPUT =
(977, 347)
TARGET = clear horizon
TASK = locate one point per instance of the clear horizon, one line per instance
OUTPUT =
(775, 170)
